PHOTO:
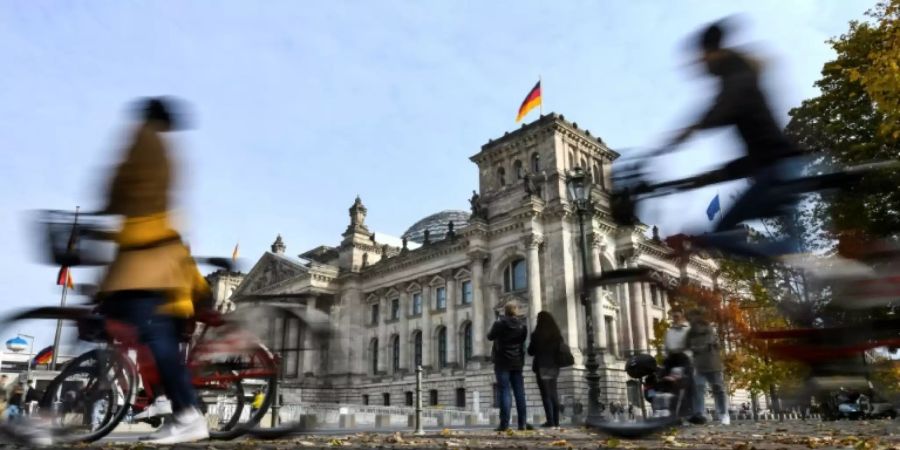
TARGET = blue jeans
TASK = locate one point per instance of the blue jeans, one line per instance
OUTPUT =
(160, 334)
(717, 382)
(505, 379)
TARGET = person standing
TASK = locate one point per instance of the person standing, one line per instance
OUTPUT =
(704, 345)
(545, 348)
(508, 355)
(678, 354)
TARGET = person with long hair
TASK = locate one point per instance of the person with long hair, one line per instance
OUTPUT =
(544, 347)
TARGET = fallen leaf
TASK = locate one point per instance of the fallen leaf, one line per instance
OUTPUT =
(559, 443)
(613, 443)
(446, 432)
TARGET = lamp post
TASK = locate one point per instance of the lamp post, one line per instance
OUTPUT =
(16, 347)
(580, 194)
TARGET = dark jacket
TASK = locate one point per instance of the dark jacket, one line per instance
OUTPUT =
(508, 334)
(704, 345)
(741, 103)
(545, 351)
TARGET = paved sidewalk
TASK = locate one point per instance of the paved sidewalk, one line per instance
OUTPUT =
(861, 435)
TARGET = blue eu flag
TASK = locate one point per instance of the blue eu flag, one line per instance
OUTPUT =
(713, 207)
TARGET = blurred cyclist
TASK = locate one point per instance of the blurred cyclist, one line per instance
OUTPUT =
(742, 104)
(150, 282)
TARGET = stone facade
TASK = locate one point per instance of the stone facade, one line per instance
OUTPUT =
(398, 303)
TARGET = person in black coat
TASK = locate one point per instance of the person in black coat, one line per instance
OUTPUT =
(508, 354)
(544, 346)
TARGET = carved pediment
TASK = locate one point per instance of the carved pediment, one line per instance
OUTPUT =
(270, 270)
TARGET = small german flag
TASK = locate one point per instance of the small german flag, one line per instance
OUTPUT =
(44, 356)
(532, 100)
(65, 278)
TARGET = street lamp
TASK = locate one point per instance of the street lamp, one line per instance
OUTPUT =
(580, 194)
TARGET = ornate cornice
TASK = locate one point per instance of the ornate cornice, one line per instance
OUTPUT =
(415, 257)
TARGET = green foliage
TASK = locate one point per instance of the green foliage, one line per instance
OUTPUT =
(845, 126)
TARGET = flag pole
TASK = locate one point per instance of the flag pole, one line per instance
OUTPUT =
(62, 300)
(541, 84)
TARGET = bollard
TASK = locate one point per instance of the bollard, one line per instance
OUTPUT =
(275, 403)
(347, 421)
(419, 429)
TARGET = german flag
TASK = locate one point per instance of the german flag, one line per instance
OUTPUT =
(64, 278)
(44, 356)
(532, 100)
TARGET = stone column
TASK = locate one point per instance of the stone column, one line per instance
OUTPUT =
(310, 348)
(625, 309)
(492, 300)
(384, 346)
(479, 322)
(533, 243)
(405, 348)
(427, 328)
(637, 317)
(599, 320)
(648, 306)
(451, 321)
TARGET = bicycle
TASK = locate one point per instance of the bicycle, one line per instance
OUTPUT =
(96, 390)
(633, 187)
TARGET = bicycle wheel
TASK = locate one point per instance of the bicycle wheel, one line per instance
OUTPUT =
(228, 356)
(222, 402)
(66, 414)
(90, 397)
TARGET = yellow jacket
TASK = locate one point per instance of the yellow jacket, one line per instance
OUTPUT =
(151, 255)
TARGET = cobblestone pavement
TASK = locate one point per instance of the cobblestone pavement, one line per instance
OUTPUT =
(861, 435)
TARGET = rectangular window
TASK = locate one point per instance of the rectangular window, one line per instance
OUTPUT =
(467, 294)
(417, 303)
(654, 295)
(395, 309)
(409, 398)
(610, 333)
(374, 318)
(433, 394)
(365, 399)
(440, 298)
(387, 399)
(460, 397)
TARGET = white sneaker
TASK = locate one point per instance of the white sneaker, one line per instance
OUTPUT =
(161, 406)
(725, 420)
(186, 426)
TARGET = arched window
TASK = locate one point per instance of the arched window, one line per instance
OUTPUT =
(442, 347)
(373, 354)
(467, 341)
(501, 176)
(584, 165)
(598, 175)
(519, 169)
(572, 160)
(395, 352)
(417, 348)
(515, 277)
(535, 162)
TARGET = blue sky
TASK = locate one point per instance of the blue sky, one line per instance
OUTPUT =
(300, 106)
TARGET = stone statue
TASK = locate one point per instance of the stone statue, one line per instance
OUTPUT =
(405, 248)
(450, 232)
(656, 233)
(372, 238)
(426, 239)
(478, 210)
(365, 261)
(384, 250)
(530, 188)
